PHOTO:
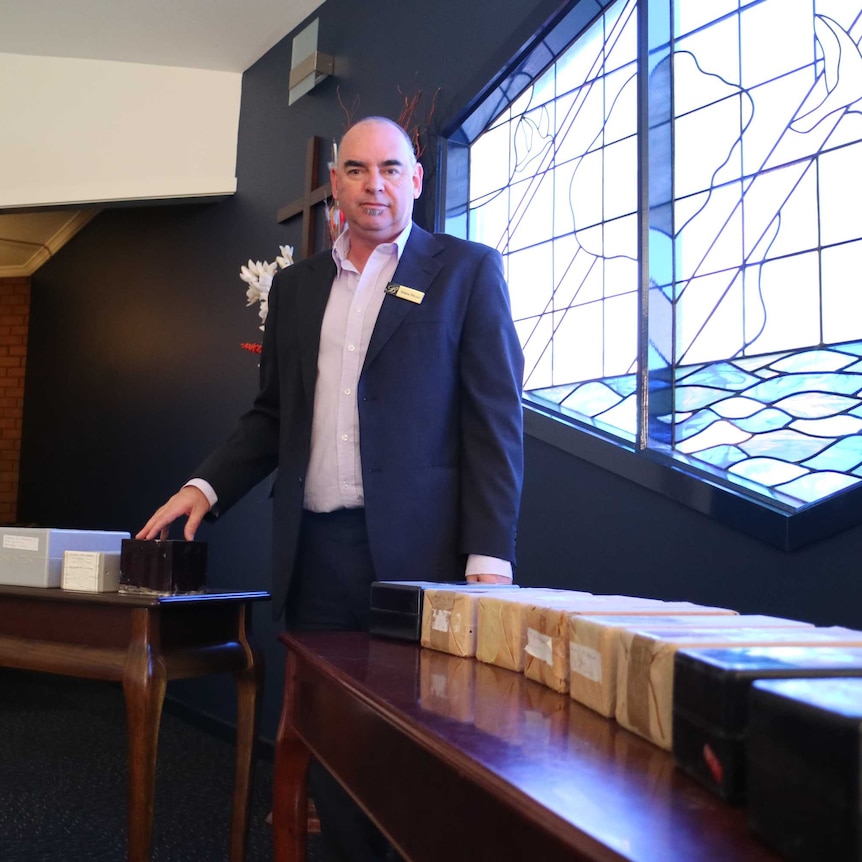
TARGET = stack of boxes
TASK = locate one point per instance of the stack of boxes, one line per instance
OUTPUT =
(759, 709)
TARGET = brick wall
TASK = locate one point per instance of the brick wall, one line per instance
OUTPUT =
(14, 322)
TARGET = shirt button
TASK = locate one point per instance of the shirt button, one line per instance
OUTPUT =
(347, 392)
(351, 348)
(344, 437)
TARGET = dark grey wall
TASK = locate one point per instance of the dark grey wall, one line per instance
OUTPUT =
(134, 367)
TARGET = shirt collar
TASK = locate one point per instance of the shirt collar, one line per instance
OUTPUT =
(341, 248)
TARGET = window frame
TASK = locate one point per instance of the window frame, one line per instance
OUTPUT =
(645, 462)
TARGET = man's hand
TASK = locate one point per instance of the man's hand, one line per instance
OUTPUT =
(488, 579)
(188, 501)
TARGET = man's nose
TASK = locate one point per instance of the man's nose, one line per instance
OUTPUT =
(375, 181)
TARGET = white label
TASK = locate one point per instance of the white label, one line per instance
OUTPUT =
(585, 661)
(440, 620)
(539, 646)
(21, 543)
(82, 562)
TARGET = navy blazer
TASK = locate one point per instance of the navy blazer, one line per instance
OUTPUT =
(440, 416)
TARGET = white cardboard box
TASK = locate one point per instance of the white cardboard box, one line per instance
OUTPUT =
(33, 556)
(91, 571)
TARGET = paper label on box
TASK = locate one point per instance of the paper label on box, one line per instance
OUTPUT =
(21, 543)
(440, 620)
(585, 661)
(539, 646)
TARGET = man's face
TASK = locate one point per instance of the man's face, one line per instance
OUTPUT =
(376, 182)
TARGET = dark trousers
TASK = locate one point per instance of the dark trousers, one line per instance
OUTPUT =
(330, 591)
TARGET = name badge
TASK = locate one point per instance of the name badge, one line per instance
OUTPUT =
(402, 292)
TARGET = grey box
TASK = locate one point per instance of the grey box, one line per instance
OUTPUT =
(33, 556)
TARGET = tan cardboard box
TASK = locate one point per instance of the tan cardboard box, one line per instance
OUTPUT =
(646, 664)
(502, 624)
(546, 655)
(594, 642)
(449, 617)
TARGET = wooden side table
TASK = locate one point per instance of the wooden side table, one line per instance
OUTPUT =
(143, 641)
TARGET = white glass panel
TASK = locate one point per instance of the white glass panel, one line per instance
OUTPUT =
(489, 162)
(621, 183)
(582, 127)
(712, 240)
(578, 346)
(782, 306)
(536, 335)
(842, 296)
(770, 48)
(717, 51)
(621, 102)
(620, 334)
(709, 319)
(691, 14)
(586, 191)
(577, 274)
(695, 88)
(583, 61)
(620, 253)
(706, 147)
(621, 35)
(533, 220)
(531, 280)
(490, 222)
(840, 194)
(769, 141)
(781, 212)
(564, 218)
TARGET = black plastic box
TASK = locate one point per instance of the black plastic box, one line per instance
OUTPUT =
(396, 606)
(710, 706)
(163, 567)
(804, 767)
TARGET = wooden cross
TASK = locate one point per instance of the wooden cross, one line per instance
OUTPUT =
(314, 194)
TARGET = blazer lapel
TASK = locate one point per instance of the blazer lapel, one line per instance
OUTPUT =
(417, 268)
(312, 296)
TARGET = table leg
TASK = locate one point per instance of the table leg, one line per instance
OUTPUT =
(144, 684)
(249, 685)
(290, 790)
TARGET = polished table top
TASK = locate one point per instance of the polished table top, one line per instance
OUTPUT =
(587, 779)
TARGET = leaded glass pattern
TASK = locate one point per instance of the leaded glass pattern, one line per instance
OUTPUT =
(749, 365)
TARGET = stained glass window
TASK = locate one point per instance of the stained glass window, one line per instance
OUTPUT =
(677, 204)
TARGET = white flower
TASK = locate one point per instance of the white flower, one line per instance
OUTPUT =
(258, 276)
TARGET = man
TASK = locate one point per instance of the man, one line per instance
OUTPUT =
(389, 403)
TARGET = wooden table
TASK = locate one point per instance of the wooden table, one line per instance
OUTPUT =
(459, 760)
(143, 641)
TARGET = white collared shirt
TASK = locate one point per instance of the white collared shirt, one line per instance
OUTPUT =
(334, 477)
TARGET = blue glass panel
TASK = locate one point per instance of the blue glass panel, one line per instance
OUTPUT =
(812, 488)
(770, 391)
(844, 455)
(786, 444)
(722, 456)
(816, 405)
(720, 375)
(765, 420)
(767, 471)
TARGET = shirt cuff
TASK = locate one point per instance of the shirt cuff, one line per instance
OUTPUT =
(477, 564)
(205, 487)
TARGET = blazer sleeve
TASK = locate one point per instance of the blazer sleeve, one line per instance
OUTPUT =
(491, 445)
